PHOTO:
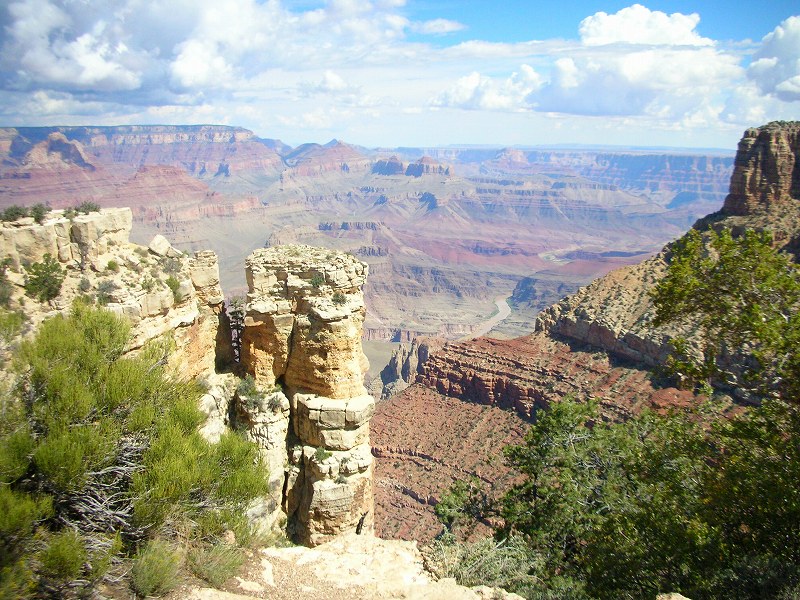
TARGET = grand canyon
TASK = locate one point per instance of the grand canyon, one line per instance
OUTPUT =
(500, 281)
(450, 234)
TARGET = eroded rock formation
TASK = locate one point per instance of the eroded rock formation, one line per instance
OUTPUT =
(615, 312)
(129, 279)
(302, 341)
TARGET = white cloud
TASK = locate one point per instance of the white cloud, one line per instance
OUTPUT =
(263, 63)
(669, 82)
(438, 27)
(639, 25)
(776, 65)
(477, 92)
(94, 59)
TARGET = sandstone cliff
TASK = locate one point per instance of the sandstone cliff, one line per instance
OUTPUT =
(614, 312)
(129, 279)
(302, 340)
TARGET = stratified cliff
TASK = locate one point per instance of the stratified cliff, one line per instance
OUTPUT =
(614, 312)
(598, 342)
(302, 341)
(129, 279)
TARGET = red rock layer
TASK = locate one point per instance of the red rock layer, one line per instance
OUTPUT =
(423, 442)
(472, 399)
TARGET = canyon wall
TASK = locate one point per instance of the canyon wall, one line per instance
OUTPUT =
(131, 280)
(302, 343)
(614, 312)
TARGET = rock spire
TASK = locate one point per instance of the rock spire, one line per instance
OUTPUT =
(302, 343)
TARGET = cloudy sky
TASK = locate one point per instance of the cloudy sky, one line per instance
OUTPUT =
(408, 72)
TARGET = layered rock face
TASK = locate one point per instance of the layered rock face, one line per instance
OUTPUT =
(130, 280)
(302, 339)
(614, 312)
(766, 172)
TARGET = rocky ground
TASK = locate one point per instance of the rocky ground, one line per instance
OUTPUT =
(348, 568)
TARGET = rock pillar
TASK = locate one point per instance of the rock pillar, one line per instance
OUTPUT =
(302, 333)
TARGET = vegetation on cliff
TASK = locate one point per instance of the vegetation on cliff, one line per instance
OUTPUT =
(707, 507)
(100, 457)
(698, 503)
(742, 299)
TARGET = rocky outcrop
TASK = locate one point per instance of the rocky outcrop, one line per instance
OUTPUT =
(130, 280)
(75, 242)
(615, 312)
(426, 166)
(405, 364)
(302, 340)
(388, 166)
(766, 176)
(201, 150)
(311, 160)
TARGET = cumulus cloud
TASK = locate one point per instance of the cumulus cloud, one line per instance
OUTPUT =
(640, 25)
(665, 81)
(45, 54)
(634, 62)
(477, 92)
(776, 65)
(273, 63)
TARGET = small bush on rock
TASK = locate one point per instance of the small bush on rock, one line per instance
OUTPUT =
(45, 279)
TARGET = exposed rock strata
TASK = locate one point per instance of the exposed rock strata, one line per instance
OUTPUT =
(98, 257)
(302, 333)
(614, 312)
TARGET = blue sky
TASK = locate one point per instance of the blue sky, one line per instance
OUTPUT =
(408, 72)
(520, 20)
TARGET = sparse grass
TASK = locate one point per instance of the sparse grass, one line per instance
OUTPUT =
(216, 564)
(155, 569)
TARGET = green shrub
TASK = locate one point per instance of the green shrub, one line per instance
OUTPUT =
(247, 387)
(317, 280)
(6, 287)
(39, 212)
(216, 564)
(13, 213)
(45, 279)
(104, 290)
(11, 323)
(118, 437)
(148, 283)
(112, 266)
(339, 299)
(504, 564)
(321, 455)
(171, 266)
(85, 285)
(64, 556)
(19, 515)
(87, 207)
(155, 569)
(174, 285)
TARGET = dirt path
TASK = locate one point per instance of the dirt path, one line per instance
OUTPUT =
(347, 568)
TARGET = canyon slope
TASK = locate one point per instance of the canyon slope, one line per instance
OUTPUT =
(446, 231)
(597, 342)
